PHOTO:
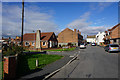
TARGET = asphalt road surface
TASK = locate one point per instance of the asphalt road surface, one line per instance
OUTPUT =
(92, 62)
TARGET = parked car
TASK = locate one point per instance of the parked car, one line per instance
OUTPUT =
(93, 44)
(112, 47)
(82, 45)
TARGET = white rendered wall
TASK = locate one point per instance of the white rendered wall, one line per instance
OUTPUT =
(100, 37)
(91, 40)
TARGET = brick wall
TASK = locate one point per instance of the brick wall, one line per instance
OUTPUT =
(119, 31)
(68, 36)
(31, 46)
(6, 63)
(115, 33)
(9, 67)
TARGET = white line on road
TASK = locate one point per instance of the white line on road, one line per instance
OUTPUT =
(51, 74)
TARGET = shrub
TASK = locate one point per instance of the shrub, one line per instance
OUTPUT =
(12, 50)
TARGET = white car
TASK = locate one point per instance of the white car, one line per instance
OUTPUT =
(82, 45)
(93, 44)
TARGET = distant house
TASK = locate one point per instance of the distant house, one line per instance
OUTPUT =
(6, 40)
(91, 39)
(48, 40)
(69, 36)
(17, 40)
(114, 35)
(107, 37)
(100, 38)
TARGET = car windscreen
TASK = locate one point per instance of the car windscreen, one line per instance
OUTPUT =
(82, 44)
(114, 45)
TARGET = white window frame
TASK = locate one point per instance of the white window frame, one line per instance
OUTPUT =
(18, 43)
(28, 43)
(33, 43)
(44, 44)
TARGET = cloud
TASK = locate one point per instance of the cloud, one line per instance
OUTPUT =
(100, 6)
(93, 30)
(81, 22)
(85, 27)
(34, 20)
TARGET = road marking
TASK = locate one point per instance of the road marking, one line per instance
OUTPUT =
(71, 56)
(51, 74)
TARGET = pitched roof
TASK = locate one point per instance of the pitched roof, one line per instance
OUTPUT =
(114, 27)
(67, 29)
(93, 36)
(32, 36)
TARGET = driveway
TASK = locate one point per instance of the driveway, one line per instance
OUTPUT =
(92, 62)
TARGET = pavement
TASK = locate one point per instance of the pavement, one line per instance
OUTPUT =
(92, 62)
(41, 74)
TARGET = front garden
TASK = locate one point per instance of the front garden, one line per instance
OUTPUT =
(26, 63)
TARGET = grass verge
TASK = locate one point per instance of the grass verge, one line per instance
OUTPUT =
(66, 49)
(27, 63)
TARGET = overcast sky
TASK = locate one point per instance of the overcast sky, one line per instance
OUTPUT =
(88, 17)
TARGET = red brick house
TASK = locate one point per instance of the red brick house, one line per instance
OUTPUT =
(113, 35)
(48, 40)
(69, 36)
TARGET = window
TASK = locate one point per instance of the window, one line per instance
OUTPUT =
(26, 43)
(18, 43)
(33, 43)
(114, 45)
(114, 40)
(44, 43)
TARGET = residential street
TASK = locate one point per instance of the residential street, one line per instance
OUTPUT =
(92, 62)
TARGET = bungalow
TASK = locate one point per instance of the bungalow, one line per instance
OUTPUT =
(47, 40)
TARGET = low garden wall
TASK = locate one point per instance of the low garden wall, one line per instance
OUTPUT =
(9, 67)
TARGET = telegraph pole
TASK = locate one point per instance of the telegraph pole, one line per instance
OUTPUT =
(22, 23)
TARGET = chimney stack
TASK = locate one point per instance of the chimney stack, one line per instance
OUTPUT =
(80, 33)
(74, 30)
